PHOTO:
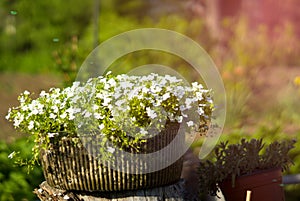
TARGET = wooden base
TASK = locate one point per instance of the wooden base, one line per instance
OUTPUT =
(174, 192)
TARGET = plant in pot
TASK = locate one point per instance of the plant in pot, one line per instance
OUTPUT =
(247, 166)
(82, 131)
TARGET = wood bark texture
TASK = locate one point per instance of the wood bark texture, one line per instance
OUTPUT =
(174, 192)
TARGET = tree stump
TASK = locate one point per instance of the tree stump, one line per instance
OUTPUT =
(174, 192)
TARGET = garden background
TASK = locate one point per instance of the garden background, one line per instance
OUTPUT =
(255, 45)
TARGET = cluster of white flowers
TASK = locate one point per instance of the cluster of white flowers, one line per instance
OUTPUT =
(49, 113)
(128, 102)
(112, 105)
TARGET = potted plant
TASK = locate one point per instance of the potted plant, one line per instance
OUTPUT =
(247, 166)
(79, 129)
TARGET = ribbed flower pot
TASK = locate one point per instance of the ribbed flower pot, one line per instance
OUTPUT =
(264, 186)
(72, 166)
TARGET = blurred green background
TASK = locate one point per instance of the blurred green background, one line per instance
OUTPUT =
(255, 45)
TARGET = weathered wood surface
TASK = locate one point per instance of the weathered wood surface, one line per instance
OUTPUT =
(174, 192)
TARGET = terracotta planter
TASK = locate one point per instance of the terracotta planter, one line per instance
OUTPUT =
(264, 186)
(71, 166)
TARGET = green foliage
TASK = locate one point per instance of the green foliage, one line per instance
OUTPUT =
(149, 8)
(33, 30)
(172, 22)
(111, 24)
(15, 183)
(56, 37)
(98, 107)
(245, 49)
(269, 134)
(67, 60)
(246, 157)
(238, 94)
(286, 109)
(258, 46)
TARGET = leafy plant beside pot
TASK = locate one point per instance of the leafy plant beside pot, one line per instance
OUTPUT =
(246, 166)
(76, 128)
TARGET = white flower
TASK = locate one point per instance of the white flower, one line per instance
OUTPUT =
(106, 86)
(151, 113)
(52, 116)
(99, 95)
(36, 107)
(162, 82)
(189, 101)
(101, 126)
(8, 114)
(66, 197)
(34, 111)
(87, 114)
(172, 79)
(54, 108)
(22, 99)
(72, 112)
(157, 103)
(143, 131)
(112, 82)
(55, 90)
(110, 149)
(120, 102)
(106, 101)
(166, 96)
(117, 95)
(12, 154)
(126, 85)
(145, 90)
(200, 111)
(56, 102)
(50, 135)
(98, 116)
(190, 123)
(75, 85)
(18, 119)
(25, 108)
(156, 89)
(31, 125)
(179, 119)
(95, 107)
(197, 86)
(182, 108)
(63, 115)
(199, 95)
(179, 92)
(26, 92)
(43, 93)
